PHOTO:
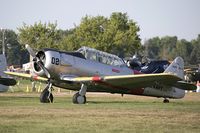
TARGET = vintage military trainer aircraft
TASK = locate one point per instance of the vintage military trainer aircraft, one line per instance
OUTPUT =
(91, 70)
(5, 81)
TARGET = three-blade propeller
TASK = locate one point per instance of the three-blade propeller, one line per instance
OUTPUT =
(38, 61)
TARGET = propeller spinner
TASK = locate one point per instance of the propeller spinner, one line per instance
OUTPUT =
(38, 61)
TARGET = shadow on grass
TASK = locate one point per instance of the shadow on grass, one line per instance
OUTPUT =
(138, 103)
(116, 102)
(17, 97)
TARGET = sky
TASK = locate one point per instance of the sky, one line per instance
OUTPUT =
(161, 18)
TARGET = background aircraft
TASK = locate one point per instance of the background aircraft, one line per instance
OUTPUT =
(5, 82)
(192, 73)
(148, 66)
(90, 70)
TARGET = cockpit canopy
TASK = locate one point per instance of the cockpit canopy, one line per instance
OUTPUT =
(102, 57)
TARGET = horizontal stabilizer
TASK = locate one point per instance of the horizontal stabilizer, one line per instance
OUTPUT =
(185, 86)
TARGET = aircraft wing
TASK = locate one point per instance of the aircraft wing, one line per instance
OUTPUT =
(138, 81)
(127, 82)
(8, 81)
(25, 75)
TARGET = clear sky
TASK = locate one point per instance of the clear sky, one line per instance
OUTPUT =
(155, 17)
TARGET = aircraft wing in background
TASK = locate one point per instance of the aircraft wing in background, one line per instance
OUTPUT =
(8, 81)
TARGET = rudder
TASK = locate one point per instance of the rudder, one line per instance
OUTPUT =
(176, 67)
(3, 65)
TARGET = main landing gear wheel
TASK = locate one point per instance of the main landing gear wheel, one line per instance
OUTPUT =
(78, 99)
(46, 96)
(165, 100)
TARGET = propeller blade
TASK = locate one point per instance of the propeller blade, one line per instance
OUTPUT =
(38, 61)
(30, 50)
(44, 69)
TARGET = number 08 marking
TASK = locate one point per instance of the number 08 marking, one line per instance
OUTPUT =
(55, 61)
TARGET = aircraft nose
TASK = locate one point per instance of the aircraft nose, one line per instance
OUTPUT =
(39, 59)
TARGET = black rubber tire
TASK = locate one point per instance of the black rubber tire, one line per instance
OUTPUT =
(165, 101)
(45, 97)
(75, 98)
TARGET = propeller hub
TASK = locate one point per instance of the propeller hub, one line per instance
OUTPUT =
(39, 59)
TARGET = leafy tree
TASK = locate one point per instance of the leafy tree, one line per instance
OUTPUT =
(116, 34)
(183, 49)
(161, 48)
(125, 38)
(195, 54)
(152, 48)
(40, 35)
(168, 45)
(13, 48)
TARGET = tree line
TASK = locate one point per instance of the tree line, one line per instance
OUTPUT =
(116, 34)
(169, 47)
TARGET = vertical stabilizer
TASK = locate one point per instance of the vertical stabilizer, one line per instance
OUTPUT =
(4, 81)
(176, 67)
(3, 65)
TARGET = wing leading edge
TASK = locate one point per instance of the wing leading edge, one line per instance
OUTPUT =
(172, 77)
(127, 82)
(138, 81)
(24, 75)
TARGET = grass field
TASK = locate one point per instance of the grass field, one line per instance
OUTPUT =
(23, 113)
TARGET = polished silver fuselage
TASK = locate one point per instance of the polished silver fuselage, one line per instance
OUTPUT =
(63, 65)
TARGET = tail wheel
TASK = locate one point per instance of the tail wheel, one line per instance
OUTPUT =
(78, 99)
(165, 101)
(46, 97)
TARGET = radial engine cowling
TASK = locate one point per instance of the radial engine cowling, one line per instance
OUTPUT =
(40, 57)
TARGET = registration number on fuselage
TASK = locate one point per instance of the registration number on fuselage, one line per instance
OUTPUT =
(55, 61)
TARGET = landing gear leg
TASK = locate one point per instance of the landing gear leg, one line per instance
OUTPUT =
(46, 96)
(79, 97)
(165, 100)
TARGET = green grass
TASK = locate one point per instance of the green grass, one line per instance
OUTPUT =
(23, 113)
